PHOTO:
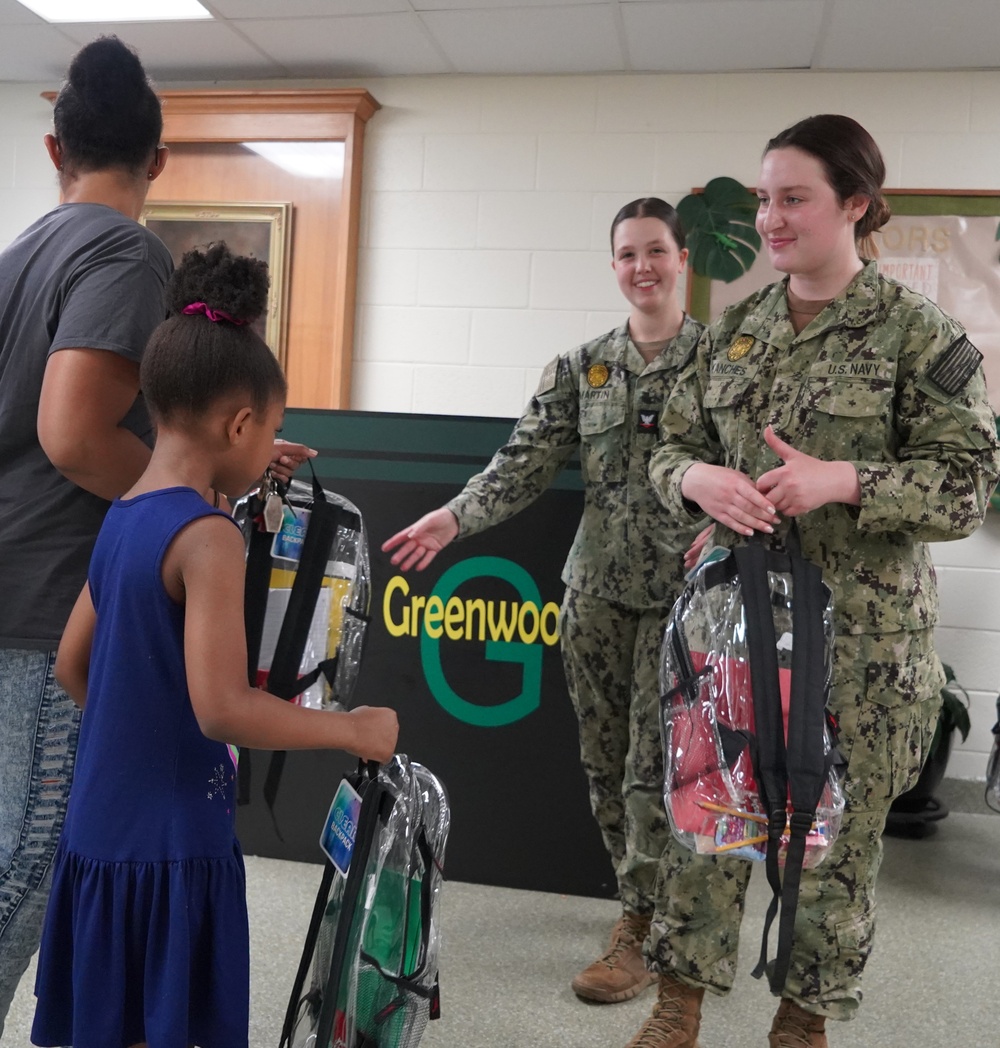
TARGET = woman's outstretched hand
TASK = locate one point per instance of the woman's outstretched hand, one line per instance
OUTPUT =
(417, 545)
(803, 483)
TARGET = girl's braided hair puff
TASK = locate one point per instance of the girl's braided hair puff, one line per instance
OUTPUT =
(206, 348)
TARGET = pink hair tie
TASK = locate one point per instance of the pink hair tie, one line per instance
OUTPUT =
(215, 315)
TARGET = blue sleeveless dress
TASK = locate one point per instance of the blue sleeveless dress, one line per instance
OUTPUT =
(145, 936)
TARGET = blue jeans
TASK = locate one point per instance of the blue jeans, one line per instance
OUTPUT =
(39, 726)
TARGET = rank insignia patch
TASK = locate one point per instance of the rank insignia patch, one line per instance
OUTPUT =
(597, 375)
(646, 422)
(739, 349)
(956, 365)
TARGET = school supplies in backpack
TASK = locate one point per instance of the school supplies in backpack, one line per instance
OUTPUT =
(368, 976)
(750, 762)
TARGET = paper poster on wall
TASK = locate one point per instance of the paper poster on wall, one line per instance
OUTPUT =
(944, 246)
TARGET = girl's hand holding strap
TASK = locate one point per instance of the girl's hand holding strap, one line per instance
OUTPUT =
(287, 457)
(376, 730)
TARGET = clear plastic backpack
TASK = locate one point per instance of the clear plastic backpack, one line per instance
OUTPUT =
(308, 592)
(368, 977)
(307, 597)
(751, 767)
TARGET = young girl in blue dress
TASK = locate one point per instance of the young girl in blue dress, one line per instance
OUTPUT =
(145, 939)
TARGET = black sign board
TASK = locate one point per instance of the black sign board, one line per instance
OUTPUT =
(466, 652)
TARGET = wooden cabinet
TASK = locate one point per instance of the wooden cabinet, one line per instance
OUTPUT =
(210, 160)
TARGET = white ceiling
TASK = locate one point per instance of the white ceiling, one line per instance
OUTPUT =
(265, 39)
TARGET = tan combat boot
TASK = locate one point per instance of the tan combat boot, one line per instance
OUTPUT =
(676, 1017)
(620, 972)
(793, 1027)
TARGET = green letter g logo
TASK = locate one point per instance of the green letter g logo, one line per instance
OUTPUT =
(530, 655)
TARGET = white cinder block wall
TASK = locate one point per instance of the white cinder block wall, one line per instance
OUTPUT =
(484, 246)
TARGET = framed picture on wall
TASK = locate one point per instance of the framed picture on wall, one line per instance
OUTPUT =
(262, 230)
(939, 242)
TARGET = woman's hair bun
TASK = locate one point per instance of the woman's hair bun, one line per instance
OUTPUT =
(104, 71)
(107, 114)
(875, 217)
(233, 284)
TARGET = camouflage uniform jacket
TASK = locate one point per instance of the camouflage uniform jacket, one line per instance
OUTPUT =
(881, 378)
(605, 400)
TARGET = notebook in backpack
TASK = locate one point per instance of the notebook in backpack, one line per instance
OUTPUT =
(751, 767)
(368, 976)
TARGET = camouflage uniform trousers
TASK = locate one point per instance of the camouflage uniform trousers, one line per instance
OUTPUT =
(885, 693)
(611, 654)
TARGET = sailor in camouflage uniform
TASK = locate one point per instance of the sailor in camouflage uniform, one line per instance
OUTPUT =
(625, 568)
(868, 422)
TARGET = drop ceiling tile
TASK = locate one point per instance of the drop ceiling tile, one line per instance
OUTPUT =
(351, 38)
(184, 50)
(506, 5)
(13, 13)
(35, 52)
(303, 8)
(721, 35)
(662, 3)
(349, 46)
(911, 34)
(563, 39)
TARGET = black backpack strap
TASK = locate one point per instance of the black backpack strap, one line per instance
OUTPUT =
(308, 949)
(682, 657)
(283, 679)
(376, 804)
(687, 678)
(803, 766)
(770, 767)
(807, 764)
(258, 580)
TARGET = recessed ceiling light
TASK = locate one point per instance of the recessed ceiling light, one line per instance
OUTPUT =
(116, 10)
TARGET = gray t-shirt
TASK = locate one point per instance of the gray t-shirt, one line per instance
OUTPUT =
(82, 277)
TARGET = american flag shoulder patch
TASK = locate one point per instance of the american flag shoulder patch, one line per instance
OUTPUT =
(956, 365)
(547, 382)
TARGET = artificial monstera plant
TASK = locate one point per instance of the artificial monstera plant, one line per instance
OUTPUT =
(719, 226)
